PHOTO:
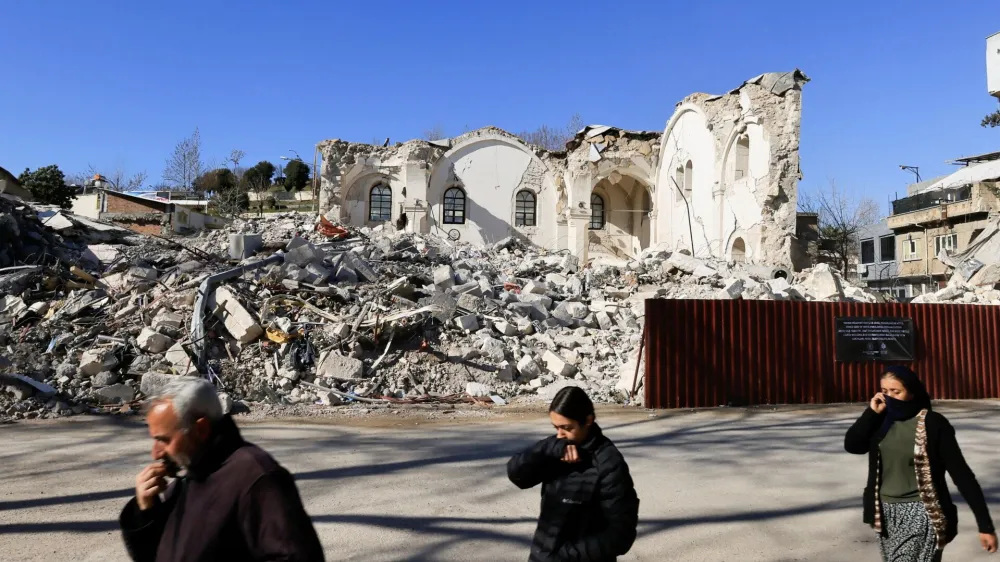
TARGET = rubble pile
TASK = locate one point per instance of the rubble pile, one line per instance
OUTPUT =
(323, 314)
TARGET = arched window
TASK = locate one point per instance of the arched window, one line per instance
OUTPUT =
(524, 209)
(596, 212)
(742, 165)
(454, 206)
(380, 203)
(688, 178)
(739, 253)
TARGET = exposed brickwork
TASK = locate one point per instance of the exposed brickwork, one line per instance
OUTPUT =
(143, 228)
(118, 204)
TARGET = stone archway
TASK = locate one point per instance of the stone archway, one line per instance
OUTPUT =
(625, 222)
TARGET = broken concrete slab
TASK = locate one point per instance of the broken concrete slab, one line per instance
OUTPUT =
(151, 341)
(545, 301)
(39, 388)
(505, 328)
(555, 280)
(317, 274)
(304, 254)
(104, 378)
(704, 272)
(604, 320)
(471, 288)
(528, 368)
(153, 384)
(469, 302)
(685, 263)
(478, 390)
(532, 310)
(533, 287)
(239, 322)
(988, 276)
(336, 366)
(569, 264)
(821, 284)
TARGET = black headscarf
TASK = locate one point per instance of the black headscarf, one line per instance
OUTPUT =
(900, 410)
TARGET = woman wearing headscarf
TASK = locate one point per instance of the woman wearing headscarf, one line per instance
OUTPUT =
(910, 447)
(589, 506)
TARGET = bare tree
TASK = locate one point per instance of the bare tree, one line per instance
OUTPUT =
(841, 220)
(119, 179)
(553, 138)
(185, 164)
(435, 133)
(235, 156)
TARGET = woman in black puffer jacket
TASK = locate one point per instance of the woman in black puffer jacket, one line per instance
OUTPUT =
(589, 506)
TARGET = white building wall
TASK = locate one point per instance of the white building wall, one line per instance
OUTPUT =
(491, 170)
(993, 64)
(87, 205)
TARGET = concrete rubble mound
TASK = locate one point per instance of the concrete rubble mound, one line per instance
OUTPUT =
(95, 318)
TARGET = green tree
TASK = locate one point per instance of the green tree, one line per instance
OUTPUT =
(216, 181)
(259, 175)
(992, 120)
(48, 185)
(296, 175)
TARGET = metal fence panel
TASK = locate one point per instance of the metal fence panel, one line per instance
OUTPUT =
(706, 353)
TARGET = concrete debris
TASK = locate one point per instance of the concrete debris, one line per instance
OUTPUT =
(151, 341)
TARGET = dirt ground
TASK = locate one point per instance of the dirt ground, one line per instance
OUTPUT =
(429, 483)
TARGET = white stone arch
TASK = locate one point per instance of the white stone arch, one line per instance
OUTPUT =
(749, 254)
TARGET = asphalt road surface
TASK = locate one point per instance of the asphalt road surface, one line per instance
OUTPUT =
(715, 485)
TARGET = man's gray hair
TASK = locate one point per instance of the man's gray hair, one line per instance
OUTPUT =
(192, 398)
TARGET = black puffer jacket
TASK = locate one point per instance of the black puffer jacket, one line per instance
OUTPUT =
(589, 508)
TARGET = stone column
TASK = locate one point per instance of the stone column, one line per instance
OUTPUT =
(580, 186)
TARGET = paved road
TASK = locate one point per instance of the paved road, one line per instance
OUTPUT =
(715, 485)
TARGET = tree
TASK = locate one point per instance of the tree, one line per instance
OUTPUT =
(992, 120)
(221, 179)
(118, 179)
(553, 138)
(48, 185)
(258, 180)
(841, 219)
(435, 133)
(296, 175)
(185, 164)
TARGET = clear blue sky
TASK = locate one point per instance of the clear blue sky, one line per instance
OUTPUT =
(119, 83)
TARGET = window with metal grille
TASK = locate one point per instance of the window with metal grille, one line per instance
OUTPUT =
(887, 248)
(596, 212)
(454, 206)
(380, 203)
(867, 251)
(910, 248)
(524, 209)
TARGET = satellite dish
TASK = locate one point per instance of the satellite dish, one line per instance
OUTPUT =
(454, 234)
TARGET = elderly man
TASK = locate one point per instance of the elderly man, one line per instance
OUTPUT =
(227, 500)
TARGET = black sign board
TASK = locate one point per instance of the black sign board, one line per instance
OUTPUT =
(871, 338)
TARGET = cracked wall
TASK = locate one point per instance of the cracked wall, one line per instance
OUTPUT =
(738, 192)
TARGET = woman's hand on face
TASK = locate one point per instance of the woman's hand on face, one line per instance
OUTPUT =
(989, 541)
(571, 454)
(878, 403)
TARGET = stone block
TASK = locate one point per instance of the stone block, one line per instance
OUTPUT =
(182, 363)
(340, 330)
(533, 287)
(336, 366)
(317, 274)
(330, 399)
(505, 371)
(238, 321)
(604, 320)
(528, 368)
(104, 378)
(536, 383)
(94, 361)
(821, 284)
(470, 288)
(732, 290)
(469, 322)
(114, 394)
(534, 297)
(444, 277)
(949, 293)
(704, 272)
(493, 349)
(569, 264)
(151, 341)
(505, 328)
(555, 280)
(153, 384)
(226, 401)
(557, 365)
(477, 390)
(532, 310)
(345, 274)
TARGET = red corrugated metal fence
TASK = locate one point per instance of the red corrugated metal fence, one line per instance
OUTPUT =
(705, 353)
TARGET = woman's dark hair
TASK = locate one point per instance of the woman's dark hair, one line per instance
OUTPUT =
(573, 403)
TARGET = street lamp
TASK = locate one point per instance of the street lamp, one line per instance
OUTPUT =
(914, 169)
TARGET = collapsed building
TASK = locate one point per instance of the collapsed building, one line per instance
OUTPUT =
(720, 181)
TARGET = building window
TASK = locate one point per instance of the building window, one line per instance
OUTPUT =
(454, 206)
(524, 209)
(739, 253)
(688, 178)
(867, 251)
(947, 242)
(910, 250)
(742, 168)
(380, 203)
(887, 248)
(596, 212)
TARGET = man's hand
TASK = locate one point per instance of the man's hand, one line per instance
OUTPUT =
(878, 403)
(571, 455)
(989, 541)
(148, 484)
